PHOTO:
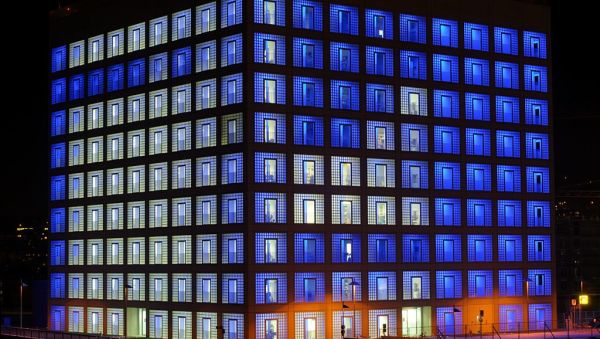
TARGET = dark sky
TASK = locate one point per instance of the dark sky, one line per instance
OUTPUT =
(24, 195)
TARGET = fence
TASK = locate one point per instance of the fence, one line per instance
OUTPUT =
(18, 332)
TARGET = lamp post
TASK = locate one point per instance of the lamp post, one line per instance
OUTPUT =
(354, 283)
(454, 311)
(527, 281)
(21, 286)
(342, 326)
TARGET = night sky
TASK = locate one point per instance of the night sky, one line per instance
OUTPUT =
(576, 85)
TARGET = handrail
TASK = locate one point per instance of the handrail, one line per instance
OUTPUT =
(549, 330)
(494, 330)
(440, 334)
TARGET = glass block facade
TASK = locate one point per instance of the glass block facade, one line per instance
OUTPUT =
(255, 165)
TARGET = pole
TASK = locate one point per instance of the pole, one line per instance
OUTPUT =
(580, 293)
(21, 303)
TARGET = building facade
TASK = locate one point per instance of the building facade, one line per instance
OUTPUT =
(280, 168)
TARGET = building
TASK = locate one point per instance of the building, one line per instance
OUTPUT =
(253, 167)
(577, 253)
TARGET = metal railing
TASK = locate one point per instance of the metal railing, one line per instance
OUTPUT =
(495, 332)
(549, 330)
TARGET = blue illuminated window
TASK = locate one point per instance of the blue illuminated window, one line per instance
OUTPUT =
(308, 92)
(510, 317)
(415, 248)
(308, 53)
(232, 206)
(136, 73)
(509, 213)
(445, 32)
(479, 248)
(445, 104)
(538, 213)
(536, 112)
(447, 212)
(510, 283)
(380, 135)
(59, 58)
(58, 123)
(416, 285)
(381, 248)
(413, 65)
(270, 208)
(448, 284)
(231, 13)
(345, 95)
(379, 61)
(344, 57)
(269, 128)
(268, 48)
(507, 75)
(309, 287)
(477, 72)
(378, 24)
(509, 248)
(308, 15)
(231, 89)
(506, 41)
(477, 106)
(479, 212)
(536, 78)
(508, 178)
(57, 155)
(479, 177)
(540, 282)
(507, 144)
(232, 50)
(343, 19)
(536, 145)
(309, 248)
(76, 83)
(114, 77)
(507, 109)
(57, 187)
(446, 139)
(345, 248)
(59, 90)
(308, 130)
(538, 248)
(57, 285)
(447, 176)
(382, 285)
(448, 248)
(57, 253)
(477, 141)
(269, 167)
(380, 98)
(412, 28)
(269, 88)
(181, 63)
(57, 318)
(476, 37)
(415, 174)
(414, 137)
(269, 12)
(538, 180)
(480, 284)
(271, 288)
(270, 248)
(534, 44)
(445, 68)
(96, 82)
(57, 220)
(540, 315)
(345, 133)
(233, 288)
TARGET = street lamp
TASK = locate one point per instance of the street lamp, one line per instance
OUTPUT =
(527, 281)
(21, 286)
(454, 311)
(354, 283)
(343, 327)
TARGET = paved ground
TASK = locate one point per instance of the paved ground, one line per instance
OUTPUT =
(578, 334)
